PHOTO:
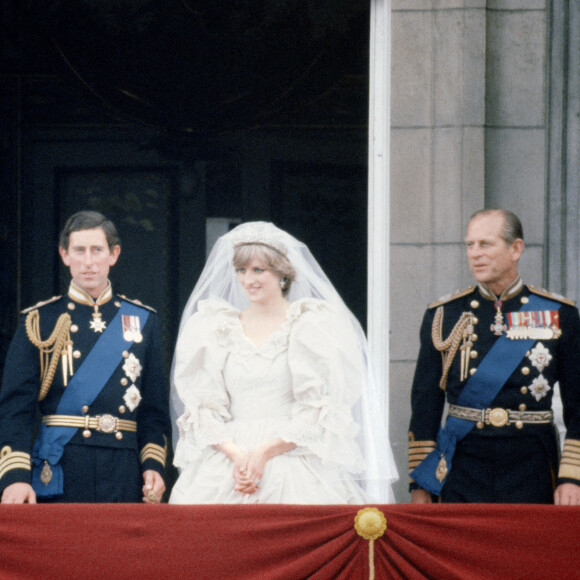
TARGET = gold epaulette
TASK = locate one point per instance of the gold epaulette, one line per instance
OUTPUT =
(550, 295)
(40, 304)
(137, 303)
(451, 297)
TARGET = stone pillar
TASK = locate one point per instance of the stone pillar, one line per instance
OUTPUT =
(563, 236)
(516, 134)
(436, 176)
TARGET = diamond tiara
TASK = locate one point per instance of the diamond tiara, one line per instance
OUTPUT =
(259, 233)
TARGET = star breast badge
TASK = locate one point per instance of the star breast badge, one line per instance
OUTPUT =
(98, 324)
(132, 367)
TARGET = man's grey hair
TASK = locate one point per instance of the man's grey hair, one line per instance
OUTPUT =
(512, 228)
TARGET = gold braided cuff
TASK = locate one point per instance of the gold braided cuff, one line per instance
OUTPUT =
(418, 450)
(10, 460)
(152, 451)
(570, 462)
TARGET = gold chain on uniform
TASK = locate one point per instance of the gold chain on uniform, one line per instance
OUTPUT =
(58, 343)
(459, 338)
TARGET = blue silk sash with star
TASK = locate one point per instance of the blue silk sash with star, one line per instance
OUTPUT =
(83, 388)
(479, 391)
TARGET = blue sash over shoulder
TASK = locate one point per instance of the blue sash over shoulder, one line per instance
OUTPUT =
(479, 391)
(84, 387)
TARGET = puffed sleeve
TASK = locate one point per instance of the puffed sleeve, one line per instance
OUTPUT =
(199, 383)
(327, 371)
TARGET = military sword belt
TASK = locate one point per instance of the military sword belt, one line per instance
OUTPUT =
(103, 423)
(499, 417)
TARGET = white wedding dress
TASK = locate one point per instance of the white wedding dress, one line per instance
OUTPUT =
(300, 385)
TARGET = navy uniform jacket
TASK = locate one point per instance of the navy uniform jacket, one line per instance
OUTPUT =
(518, 393)
(146, 402)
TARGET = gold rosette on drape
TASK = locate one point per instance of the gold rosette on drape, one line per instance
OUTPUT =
(370, 523)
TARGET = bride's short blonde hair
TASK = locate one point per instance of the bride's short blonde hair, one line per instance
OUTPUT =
(275, 261)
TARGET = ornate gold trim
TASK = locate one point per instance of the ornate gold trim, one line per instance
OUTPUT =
(512, 290)
(459, 339)
(137, 303)
(40, 304)
(10, 460)
(451, 297)
(370, 523)
(79, 295)
(153, 451)
(550, 295)
(418, 451)
(57, 346)
(570, 462)
(421, 444)
(499, 417)
(104, 423)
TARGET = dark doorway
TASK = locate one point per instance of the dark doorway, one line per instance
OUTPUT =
(165, 113)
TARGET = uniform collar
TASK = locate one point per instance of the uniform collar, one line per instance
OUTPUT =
(80, 296)
(512, 290)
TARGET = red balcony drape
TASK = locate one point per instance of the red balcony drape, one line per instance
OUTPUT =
(286, 542)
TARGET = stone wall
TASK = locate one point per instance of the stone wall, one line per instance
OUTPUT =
(470, 111)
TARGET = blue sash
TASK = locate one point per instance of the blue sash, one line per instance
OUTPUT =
(84, 387)
(479, 391)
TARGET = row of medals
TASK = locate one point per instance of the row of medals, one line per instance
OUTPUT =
(523, 332)
(131, 326)
(498, 328)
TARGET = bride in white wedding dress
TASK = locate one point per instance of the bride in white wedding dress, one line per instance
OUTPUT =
(271, 393)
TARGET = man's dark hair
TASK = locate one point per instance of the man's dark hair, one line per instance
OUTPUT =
(512, 227)
(88, 220)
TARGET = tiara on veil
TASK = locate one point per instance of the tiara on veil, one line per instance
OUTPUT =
(257, 233)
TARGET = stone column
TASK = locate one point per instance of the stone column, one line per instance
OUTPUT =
(436, 176)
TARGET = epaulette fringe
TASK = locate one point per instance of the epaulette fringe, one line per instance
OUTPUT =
(550, 295)
(137, 303)
(451, 297)
(40, 304)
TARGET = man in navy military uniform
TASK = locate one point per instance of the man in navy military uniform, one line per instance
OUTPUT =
(496, 351)
(91, 363)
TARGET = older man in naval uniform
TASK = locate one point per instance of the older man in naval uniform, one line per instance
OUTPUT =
(89, 363)
(495, 351)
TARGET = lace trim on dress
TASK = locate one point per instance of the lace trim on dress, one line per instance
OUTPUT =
(198, 431)
(230, 333)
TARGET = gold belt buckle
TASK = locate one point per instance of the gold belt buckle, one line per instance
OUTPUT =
(107, 423)
(498, 417)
